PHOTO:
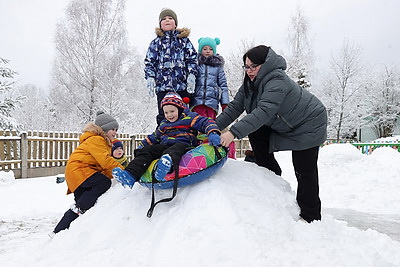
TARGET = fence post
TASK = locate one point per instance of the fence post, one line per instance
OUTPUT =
(24, 155)
(133, 142)
(241, 148)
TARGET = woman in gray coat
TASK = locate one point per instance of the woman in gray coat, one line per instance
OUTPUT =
(280, 116)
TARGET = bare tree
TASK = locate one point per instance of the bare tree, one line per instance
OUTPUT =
(384, 107)
(343, 90)
(34, 112)
(92, 60)
(301, 56)
(233, 67)
(138, 111)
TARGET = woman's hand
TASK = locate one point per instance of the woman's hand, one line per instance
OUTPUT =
(226, 138)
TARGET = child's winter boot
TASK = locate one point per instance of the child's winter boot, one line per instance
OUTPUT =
(124, 177)
(163, 167)
(77, 209)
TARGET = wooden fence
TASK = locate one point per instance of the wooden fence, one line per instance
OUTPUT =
(37, 154)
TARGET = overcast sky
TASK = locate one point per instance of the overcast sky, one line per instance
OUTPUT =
(28, 28)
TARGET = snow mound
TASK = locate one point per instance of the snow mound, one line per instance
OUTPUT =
(242, 216)
(6, 177)
(341, 153)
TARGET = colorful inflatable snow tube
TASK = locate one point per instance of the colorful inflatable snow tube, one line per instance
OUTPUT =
(195, 166)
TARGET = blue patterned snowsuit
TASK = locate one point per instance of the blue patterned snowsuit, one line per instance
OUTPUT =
(170, 58)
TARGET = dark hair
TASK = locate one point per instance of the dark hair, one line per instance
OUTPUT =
(257, 54)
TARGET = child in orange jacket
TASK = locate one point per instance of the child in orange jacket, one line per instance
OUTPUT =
(88, 171)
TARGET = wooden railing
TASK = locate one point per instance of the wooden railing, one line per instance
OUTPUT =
(34, 154)
(38, 154)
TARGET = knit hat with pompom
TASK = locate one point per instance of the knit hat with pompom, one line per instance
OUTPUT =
(175, 100)
(105, 121)
(203, 41)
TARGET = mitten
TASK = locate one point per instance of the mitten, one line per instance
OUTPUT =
(191, 83)
(214, 139)
(151, 86)
(140, 146)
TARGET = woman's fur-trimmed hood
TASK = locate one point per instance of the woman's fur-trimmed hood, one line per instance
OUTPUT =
(183, 32)
(93, 128)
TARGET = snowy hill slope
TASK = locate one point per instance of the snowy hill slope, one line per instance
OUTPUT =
(242, 216)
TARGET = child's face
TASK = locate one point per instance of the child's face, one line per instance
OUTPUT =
(111, 134)
(168, 24)
(171, 113)
(118, 152)
(207, 51)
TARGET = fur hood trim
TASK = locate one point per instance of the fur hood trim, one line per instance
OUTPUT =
(214, 60)
(183, 32)
(93, 128)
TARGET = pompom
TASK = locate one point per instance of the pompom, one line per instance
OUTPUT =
(186, 100)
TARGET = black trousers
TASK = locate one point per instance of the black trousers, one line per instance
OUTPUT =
(306, 170)
(305, 167)
(259, 141)
(160, 97)
(144, 157)
(85, 196)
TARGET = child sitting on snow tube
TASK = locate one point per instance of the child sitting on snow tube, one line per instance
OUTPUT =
(175, 135)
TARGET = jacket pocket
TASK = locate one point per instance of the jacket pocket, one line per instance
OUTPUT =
(279, 116)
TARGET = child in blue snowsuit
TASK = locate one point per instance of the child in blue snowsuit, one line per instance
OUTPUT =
(176, 134)
(171, 61)
(211, 86)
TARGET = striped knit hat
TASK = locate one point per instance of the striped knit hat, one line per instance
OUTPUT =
(174, 99)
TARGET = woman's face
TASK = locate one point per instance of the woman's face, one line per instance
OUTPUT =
(251, 69)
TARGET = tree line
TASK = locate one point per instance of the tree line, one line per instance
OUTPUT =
(95, 68)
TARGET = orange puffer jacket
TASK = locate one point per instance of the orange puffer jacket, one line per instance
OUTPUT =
(92, 155)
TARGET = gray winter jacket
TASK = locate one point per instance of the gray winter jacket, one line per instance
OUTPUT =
(298, 118)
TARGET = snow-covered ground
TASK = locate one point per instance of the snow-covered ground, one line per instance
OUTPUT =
(242, 216)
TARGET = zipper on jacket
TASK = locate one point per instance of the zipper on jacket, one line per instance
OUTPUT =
(205, 85)
(279, 116)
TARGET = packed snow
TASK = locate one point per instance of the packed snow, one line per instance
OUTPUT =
(244, 215)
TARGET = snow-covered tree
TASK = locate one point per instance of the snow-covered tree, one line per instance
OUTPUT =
(301, 57)
(342, 92)
(34, 112)
(8, 103)
(233, 67)
(138, 111)
(384, 101)
(92, 61)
